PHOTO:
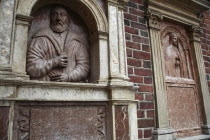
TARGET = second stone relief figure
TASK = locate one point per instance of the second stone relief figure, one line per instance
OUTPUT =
(175, 58)
(56, 53)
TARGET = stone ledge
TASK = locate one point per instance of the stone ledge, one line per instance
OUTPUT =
(199, 137)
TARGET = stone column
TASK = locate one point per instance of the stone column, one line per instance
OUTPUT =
(202, 77)
(121, 92)
(117, 47)
(6, 37)
(163, 129)
(20, 46)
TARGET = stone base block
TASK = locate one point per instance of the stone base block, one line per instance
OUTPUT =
(206, 129)
(6, 72)
(163, 134)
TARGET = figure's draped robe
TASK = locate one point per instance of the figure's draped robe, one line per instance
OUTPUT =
(45, 46)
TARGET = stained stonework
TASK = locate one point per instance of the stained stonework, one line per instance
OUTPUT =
(6, 21)
(61, 122)
(121, 122)
(184, 105)
(4, 122)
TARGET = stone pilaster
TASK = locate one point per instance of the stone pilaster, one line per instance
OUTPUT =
(20, 46)
(163, 130)
(202, 77)
(6, 37)
(117, 47)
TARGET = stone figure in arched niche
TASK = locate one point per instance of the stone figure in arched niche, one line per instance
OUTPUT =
(57, 54)
(176, 64)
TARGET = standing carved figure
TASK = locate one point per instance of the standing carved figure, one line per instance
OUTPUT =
(56, 53)
(175, 59)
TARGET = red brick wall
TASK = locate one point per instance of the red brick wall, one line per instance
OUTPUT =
(205, 40)
(139, 64)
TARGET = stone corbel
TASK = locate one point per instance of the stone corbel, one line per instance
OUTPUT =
(154, 19)
(196, 32)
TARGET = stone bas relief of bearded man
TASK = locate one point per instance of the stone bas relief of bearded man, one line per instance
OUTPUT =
(56, 53)
(175, 59)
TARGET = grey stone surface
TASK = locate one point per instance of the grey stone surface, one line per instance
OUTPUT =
(200, 137)
(6, 21)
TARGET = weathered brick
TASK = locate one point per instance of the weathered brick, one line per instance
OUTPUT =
(131, 30)
(148, 80)
(131, 4)
(143, 72)
(133, 45)
(127, 36)
(140, 39)
(140, 134)
(147, 133)
(142, 20)
(140, 114)
(149, 97)
(136, 79)
(130, 70)
(139, 97)
(146, 88)
(141, 55)
(146, 64)
(130, 17)
(133, 62)
(129, 52)
(137, 1)
(150, 114)
(145, 123)
(139, 26)
(127, 22)
(141, 7)
(144, 33)
(136, 12)
(146, 105)
(145, 48)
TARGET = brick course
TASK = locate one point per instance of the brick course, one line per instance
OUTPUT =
(205, 44)
(139, 65)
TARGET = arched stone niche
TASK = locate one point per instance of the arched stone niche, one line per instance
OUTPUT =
(96, 33)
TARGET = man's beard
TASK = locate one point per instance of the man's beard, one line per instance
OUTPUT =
(59, 26)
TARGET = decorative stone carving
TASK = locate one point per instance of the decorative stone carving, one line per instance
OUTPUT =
(101, 124)
(121, 122)
(63, 121)
(181, 91)
(175, 47)
(56, 53)
(23, 124)
(154, 19)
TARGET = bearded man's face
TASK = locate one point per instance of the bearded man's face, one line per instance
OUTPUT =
(59, 20)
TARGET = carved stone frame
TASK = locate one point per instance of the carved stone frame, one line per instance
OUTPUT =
(176, 11)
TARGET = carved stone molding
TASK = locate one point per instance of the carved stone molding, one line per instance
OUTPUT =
(23, 20)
